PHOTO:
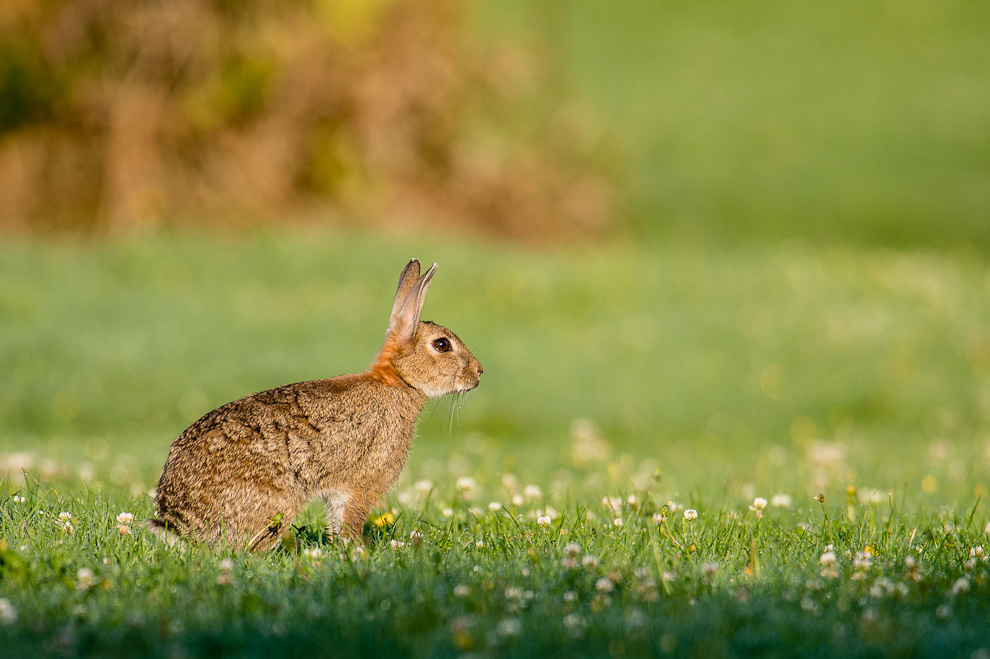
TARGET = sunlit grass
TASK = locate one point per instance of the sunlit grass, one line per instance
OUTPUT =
(637, 473)
(524, 570)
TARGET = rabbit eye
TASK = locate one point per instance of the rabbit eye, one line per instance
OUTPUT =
(441, 345)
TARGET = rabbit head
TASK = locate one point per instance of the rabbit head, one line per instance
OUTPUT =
(421, 354)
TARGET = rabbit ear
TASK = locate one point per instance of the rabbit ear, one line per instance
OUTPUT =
(407, 321)
(408, 279)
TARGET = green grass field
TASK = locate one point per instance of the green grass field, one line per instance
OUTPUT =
(685, 377)
(838, 122)
(799, 305)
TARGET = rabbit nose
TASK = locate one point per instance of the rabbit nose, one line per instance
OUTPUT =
(480, 370)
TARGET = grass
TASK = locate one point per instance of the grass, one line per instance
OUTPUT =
(684, 376)
(834, 122)
(500, 583)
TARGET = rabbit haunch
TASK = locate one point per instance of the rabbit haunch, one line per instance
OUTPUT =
(240, 474)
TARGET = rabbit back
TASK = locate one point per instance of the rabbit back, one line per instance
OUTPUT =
(242, 472)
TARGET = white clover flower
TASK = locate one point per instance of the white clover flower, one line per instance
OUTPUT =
(124, 520)
(544, 520)
(8, 614)
(827, 559)
(871, 496)
(960, 586)
(518, 500)
(863, 560)
(513, 593)
(617, 521)
(612, 503)
(759, 503)
(590, 561)
(632, 500)
(509, 627)
(18, 499)
(604, 585)
(570, 596)
(225, 578)
(423, 486)
(466, 486)
(480, 544)
(227, 565)
(976, 551)
(462, 590)
(635, 620)
(781, 500)
(575, 623)
(447, 512)
(84, 578)
(396, 544)
(533, 492)
(657, 518)
(494, 506)
(690, 514)
(415, 537)
(571, 551)
(315, 552)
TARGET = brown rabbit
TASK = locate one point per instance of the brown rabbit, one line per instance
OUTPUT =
(239, 475)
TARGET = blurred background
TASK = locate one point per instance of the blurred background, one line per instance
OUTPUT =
(521, 119)
(712, 240)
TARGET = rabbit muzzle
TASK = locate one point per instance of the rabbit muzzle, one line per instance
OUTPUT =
(471, 377)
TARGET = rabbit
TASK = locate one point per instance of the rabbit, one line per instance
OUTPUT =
(239, 475)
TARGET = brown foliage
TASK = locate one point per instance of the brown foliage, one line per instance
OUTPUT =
(123, 113)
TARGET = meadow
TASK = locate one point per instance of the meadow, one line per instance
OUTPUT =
(676, 449)
(753, 421)
(770, 120)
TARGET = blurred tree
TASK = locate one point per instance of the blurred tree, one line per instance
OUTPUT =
(116, 114)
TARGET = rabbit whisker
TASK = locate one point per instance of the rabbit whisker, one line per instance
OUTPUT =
(455, 409)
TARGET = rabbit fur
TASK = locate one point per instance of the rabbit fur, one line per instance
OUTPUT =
(239, 475)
